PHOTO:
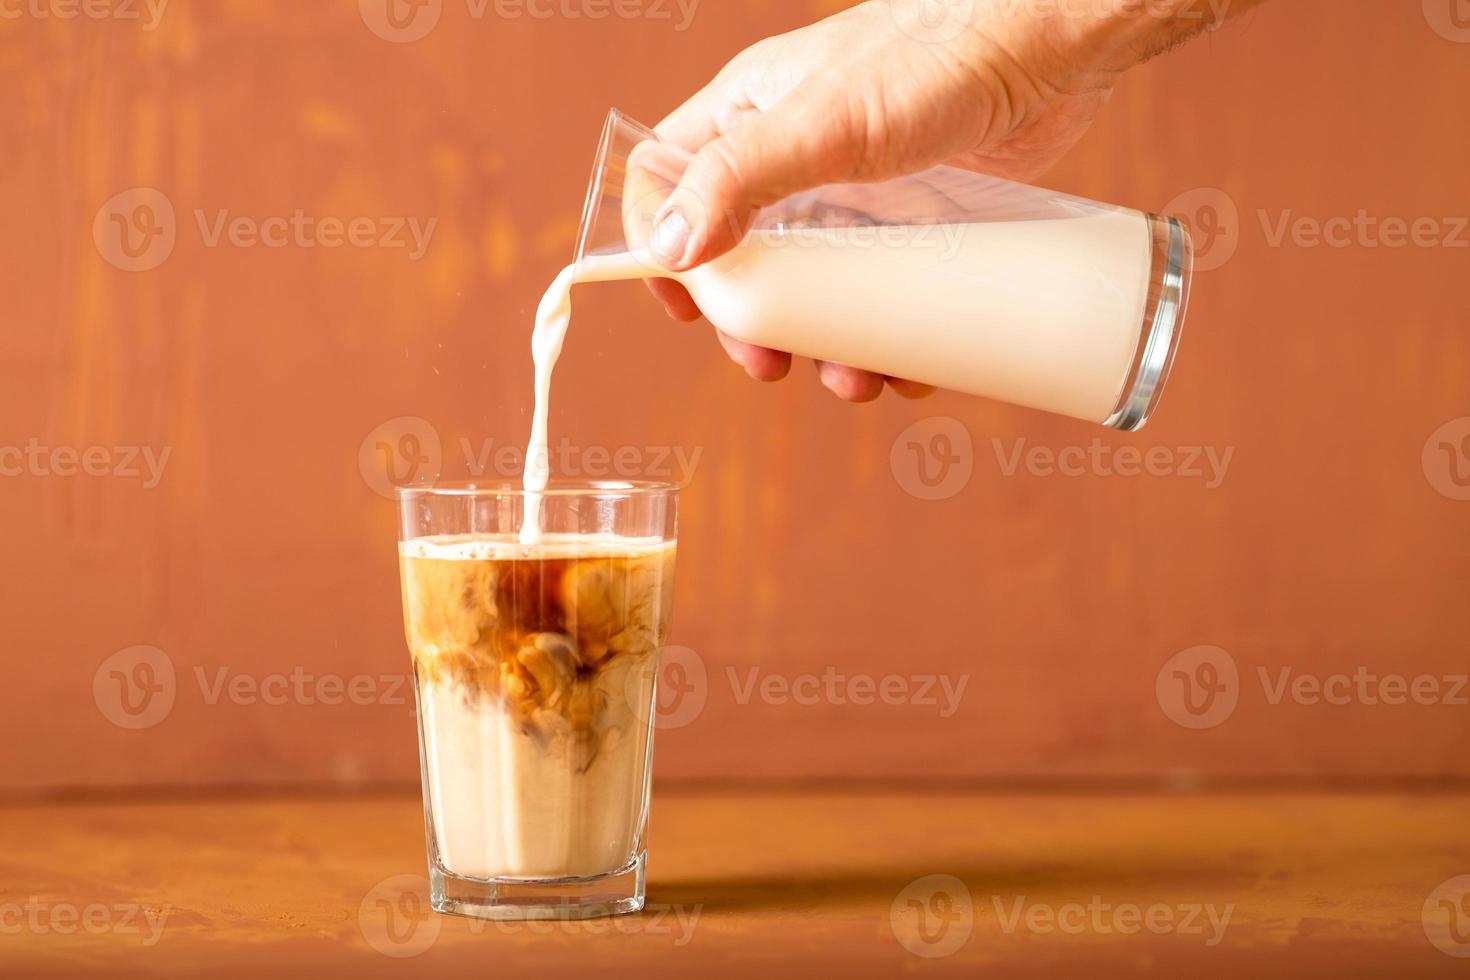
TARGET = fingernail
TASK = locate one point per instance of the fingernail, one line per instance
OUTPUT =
(671, 237)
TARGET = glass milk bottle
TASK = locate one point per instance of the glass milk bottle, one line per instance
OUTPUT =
(947, 277)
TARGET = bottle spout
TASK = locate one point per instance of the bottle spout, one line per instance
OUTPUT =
(633, 174)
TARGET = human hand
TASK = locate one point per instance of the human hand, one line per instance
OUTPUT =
(871, 93)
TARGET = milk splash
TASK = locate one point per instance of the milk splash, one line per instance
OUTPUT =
(552, 317)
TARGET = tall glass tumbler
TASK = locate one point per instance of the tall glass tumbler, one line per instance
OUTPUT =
(534, 670)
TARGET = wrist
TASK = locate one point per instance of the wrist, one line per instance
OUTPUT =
(1115, 35)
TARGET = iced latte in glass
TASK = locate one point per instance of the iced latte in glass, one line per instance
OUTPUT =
(535, 666)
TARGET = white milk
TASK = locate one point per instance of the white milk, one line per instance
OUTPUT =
(506, 802)
(552, 316)
(1044, 313)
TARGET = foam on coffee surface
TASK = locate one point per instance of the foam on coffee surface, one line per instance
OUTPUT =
(508, 547)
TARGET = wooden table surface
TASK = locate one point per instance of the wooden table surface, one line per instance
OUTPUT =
(765, 883)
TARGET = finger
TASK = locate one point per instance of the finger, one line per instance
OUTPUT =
(850, 384)
(676, 299)
(717, 108)
(909, 389)
(761, 363)
(697, 121)
(803, 142)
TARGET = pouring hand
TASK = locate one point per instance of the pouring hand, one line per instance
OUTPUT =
(887, 88)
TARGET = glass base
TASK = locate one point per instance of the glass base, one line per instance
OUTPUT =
(504, 899)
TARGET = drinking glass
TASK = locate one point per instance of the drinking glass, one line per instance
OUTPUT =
(534, 670)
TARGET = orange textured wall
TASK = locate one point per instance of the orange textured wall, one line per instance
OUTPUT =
(1328, 382)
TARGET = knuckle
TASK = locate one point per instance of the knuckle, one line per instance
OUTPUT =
(718, 166)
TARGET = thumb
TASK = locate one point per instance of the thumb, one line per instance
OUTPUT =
(801, 143)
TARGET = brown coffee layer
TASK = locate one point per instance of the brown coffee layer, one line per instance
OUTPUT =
(534, 632)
